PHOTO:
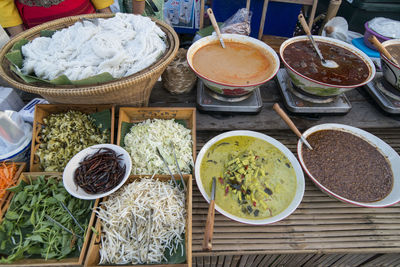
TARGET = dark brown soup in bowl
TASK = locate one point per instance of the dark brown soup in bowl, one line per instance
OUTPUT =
(348, 166)
(302, 58)
(394, 51)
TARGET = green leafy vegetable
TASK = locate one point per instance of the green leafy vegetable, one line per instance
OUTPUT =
(26, 232)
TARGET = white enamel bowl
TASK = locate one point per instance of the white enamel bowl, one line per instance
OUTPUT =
(295, 164)
(390, 70)
(230, 89)
(319, 88)
(385, 149)
(73, 164)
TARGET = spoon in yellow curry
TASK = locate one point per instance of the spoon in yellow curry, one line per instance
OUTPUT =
(326, 63)
(290, 123)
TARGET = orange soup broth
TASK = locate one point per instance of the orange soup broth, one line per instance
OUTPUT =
(239, 64)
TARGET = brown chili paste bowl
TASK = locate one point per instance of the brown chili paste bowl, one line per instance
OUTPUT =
(388, 152)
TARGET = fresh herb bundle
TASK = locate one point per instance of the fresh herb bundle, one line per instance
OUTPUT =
(26, 229)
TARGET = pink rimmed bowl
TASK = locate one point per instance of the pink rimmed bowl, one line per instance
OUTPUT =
(232, 89)
(387, 151)
(320, 88)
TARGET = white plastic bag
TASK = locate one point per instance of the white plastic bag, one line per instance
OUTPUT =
(13, 131)
(239, 23)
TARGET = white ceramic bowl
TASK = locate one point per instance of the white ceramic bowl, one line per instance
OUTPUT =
(319, 88)
(229, 89)
(385, 149)
(296, 166)
(73, 164)
(390, 70)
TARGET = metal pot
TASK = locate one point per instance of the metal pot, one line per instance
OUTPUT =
(231, 89)
(319, 88)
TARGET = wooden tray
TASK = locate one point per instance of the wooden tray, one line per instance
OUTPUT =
(44, 110)
(134, 115)
(93, 256)
(66, 261)
(8, 195)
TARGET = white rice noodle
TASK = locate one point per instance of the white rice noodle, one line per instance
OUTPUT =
(122, 45)
(124, 219)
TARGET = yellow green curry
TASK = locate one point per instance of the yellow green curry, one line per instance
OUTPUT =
(255, 180)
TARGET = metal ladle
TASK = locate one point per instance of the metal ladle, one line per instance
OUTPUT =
(326, 63)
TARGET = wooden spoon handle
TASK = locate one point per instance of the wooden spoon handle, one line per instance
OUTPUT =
(214, 22)
(209, 231)
(286, 118)
(381, 48)
(304, 24)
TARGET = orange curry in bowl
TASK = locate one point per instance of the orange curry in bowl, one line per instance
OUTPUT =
(239, 64)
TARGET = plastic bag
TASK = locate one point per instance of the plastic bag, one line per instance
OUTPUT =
(13, 132)
(387, 27)
(336, 28)
(239, 23)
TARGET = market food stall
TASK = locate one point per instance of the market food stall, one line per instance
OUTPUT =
(144, 200)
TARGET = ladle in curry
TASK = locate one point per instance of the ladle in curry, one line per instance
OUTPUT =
(382, 49)
(290, 123)
(326, 63)
(215, 25)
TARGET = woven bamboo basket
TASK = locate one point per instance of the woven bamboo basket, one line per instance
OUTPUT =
(133, 90)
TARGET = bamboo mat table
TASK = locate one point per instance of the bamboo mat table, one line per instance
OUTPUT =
(322, 231)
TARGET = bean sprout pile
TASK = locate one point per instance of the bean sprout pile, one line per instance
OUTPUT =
(141, 221)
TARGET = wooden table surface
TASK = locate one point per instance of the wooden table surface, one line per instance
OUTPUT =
(322, 231)
(364, 113)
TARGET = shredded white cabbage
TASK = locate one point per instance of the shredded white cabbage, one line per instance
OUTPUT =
(125, 223)
(122, 45)
(143, 139)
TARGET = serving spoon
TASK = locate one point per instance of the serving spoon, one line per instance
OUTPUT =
(215, 25)
(382, 49)
(209, 230)
(290, 123)
(326, 63)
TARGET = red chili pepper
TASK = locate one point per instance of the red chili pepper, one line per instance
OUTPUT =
(221, 180)
(229, 172)
(226, 190)
(254, 203)
(246, 167)
(256, 157)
